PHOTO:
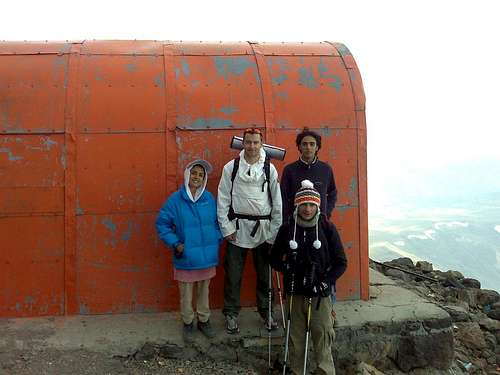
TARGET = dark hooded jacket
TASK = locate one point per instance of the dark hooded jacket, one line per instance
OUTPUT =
(330, 258)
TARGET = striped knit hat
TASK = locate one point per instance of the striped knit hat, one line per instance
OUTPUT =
(307, 194)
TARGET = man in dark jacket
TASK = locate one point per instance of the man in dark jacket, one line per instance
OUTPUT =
(309, 253)
(308, 167)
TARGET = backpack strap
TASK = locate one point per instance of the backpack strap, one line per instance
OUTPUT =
(267, 174)
(230, 213)
(236, 165)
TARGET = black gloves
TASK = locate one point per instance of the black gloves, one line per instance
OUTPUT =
(314, 283)
(322, 289)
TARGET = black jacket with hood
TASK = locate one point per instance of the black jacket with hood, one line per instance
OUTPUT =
(330, 259)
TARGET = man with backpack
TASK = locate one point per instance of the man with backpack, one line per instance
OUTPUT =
(309, 253)
(249, 215)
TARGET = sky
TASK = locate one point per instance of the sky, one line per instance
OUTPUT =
(431, 69)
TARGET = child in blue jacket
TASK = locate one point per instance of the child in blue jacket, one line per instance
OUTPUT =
(187, 223)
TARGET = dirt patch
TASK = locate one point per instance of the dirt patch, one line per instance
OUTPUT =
(89, 363)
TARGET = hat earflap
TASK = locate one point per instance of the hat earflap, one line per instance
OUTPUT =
(293, 244)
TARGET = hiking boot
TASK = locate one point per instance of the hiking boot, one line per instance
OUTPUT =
(188, 333)
(206, 329)
(232, 324)
(271, 323)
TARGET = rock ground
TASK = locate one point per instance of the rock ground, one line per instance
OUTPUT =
(84, 362)
(475, 312)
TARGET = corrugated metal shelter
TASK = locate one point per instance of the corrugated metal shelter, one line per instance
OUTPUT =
(94, 136)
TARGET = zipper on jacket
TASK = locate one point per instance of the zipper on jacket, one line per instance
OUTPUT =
(201, 226)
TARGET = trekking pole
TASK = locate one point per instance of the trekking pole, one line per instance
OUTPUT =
(278, 285)
(269, 290)
(309, 304)
(289, 319)
(308, 280)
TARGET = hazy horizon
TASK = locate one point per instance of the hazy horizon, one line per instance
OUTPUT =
(447, 216)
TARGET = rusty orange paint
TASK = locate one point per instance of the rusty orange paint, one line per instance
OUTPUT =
(94, 137)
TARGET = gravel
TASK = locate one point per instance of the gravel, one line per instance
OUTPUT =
(90, 363)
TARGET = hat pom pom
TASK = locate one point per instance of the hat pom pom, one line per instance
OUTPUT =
(317, 244)
(293, 245)
(306, 184)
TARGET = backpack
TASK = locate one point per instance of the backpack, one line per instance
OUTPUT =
(232, 215)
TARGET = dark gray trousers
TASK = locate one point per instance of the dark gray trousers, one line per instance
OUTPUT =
(234, 263)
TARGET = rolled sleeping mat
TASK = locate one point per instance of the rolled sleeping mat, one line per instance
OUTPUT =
(273, 152)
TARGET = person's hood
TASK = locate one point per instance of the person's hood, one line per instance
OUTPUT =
(187, 172)
(251, 172)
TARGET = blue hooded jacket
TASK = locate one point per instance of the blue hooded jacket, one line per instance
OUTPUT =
(193, 223)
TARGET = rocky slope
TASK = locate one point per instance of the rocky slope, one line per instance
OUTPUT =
(475, 312)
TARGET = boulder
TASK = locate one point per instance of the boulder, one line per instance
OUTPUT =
(438, 275)
(490, 325)
(478, 316)
(494, 314)
(490, 339)
(480, 364)
(471, 336)
(402, 262)
(463, 305)
(417, 351)
(489, 356)
(468, 295)
(455, 274)
(423, 266)
(453, 282)
(458, 314)
(365, 369)
(471, 283)
(487, 297)
(147, 352)
(171, 351)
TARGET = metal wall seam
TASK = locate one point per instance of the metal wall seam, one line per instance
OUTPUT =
(18, 48)
(32, 132)
(362, 183)
(348, 68)
(70, 275)
(213, 49)
(363, 207)
(171, 119)
(267, 93)
(30, 53)
(354, 75)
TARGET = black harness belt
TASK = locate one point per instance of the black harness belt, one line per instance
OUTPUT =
(255, 218)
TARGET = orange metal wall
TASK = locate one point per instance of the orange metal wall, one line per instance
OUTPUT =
(94, 137)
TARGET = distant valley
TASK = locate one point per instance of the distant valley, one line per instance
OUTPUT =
(453, 231)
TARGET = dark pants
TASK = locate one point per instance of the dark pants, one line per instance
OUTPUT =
(234, 263)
